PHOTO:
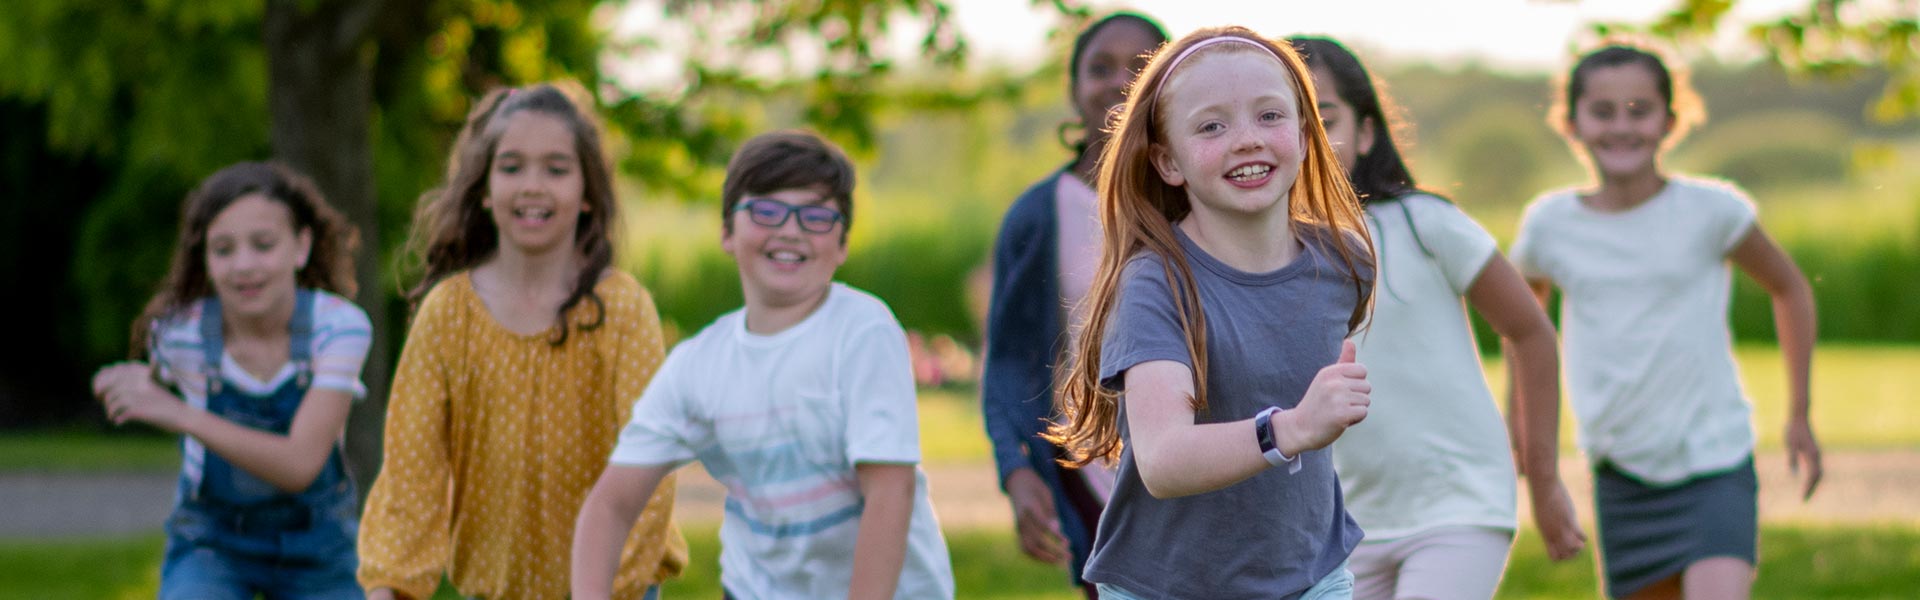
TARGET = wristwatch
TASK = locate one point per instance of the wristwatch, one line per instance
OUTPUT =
(1269, 448)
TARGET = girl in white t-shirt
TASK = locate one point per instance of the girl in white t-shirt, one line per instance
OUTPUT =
(1641, 259)
(1429, 475)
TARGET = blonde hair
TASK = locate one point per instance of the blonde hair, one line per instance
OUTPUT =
(1137, 212)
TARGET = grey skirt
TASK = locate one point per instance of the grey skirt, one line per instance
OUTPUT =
(1649, 533)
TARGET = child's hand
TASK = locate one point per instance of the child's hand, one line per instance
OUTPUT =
(128, 393)
(1035, 519)
(1336, 400)
(1553, 515)
(1803, 450)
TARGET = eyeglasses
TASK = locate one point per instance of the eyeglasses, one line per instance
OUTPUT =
(767, 212)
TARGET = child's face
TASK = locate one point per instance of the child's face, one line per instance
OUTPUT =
(534, 186)
(1350, 136)
(1110, 61)
(788, 261)
(253, 255)
(1233, 133)
(1621, 119)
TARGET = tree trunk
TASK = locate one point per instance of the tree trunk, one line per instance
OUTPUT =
(320, 94)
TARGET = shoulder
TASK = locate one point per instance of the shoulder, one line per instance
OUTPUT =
(622, 294)
(1720, 192)
(447, 294)
(1550, 205)
(176, 335)
(857, 309)
(334, 312)
(1034, 205)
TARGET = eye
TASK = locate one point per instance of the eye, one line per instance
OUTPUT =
(507, 168)
(819, 215)
(767, 209)
(1272, 116)
(265, 245)
(558, 171)
(220, 249)
(1212, 127)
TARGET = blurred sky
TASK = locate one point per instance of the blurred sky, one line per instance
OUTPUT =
(1509, 34)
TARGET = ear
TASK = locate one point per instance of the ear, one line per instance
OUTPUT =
(303, 247)
(1365, 144)
(1162, 160)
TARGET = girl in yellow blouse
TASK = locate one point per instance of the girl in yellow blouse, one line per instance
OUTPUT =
(525, 353)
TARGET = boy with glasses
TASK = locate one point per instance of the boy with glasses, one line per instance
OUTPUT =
(801, 403)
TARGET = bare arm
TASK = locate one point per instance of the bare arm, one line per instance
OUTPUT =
(881, 548)
(1178, 457)
(1795, 323)
(1501, 296)
(605, 518)
(290, 462)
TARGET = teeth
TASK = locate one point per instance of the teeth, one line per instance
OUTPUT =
(786, 256)
(1249, 172)
(533, 213)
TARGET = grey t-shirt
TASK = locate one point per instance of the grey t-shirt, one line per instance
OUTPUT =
(1277, 533)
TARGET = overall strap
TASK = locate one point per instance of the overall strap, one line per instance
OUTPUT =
(300, 329)
(212, 345)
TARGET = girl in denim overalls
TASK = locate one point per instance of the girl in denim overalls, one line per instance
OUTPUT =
(264, 504)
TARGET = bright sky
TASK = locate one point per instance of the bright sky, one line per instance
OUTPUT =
(1517, 34)
(1529, 35)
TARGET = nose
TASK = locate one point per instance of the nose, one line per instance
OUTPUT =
(1248, 140)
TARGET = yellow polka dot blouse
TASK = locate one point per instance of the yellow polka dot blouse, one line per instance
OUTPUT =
(494, 438)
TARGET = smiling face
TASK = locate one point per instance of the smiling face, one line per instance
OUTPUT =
(1233, 133)
(787, 264)
(1621, 120)
(253, 254)
(534, 186)
(1113, 56)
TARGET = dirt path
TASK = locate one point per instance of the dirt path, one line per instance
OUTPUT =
(1861, 487)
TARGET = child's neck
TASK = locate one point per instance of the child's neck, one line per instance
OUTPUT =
(1619, 192)
(1250, 244)
(270, 325)
(515, 268)
(769, 316)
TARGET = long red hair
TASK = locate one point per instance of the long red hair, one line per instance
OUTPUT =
(1137, 213)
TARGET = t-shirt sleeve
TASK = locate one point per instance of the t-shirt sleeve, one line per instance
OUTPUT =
(341, 335)
(1525, 252)
(174, 353)
(1144, 326)
(1460, 245)
(883, 419)
(662, 430)
(1734, 215)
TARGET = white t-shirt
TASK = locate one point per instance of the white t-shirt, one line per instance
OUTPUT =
(1433, 451)
(338, 349)
(781, 420)
(1649, 358)
(1077, 207)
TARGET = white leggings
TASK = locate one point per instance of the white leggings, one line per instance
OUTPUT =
(1443, 563)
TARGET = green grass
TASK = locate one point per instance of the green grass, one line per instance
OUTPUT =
(1862, 395)
(1796, 561)
(88, 451)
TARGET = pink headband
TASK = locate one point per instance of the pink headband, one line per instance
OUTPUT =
(1182, 56)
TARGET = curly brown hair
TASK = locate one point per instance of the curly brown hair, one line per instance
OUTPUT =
(329, 264)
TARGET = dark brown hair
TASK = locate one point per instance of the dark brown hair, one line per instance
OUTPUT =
(452, 230)
(329, 261)
(783, 160)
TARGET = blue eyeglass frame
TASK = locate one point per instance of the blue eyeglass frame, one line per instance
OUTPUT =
(787, 211)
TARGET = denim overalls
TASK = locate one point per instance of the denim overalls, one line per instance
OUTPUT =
(233, 535)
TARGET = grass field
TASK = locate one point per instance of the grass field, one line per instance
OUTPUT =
(1808, 561)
